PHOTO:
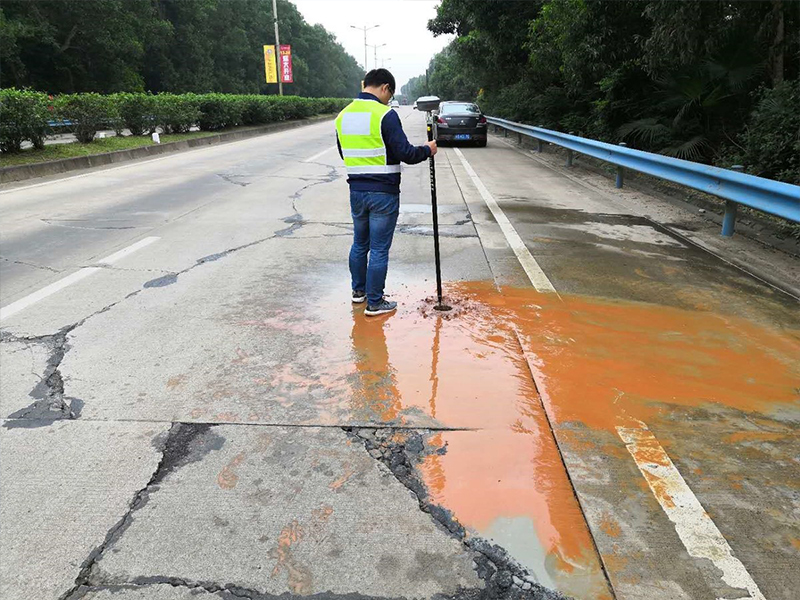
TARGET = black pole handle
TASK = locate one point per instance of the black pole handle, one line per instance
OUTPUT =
(435, 213)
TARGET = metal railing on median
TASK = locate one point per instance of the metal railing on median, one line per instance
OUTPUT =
(773, 197)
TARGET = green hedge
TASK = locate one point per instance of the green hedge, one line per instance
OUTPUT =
(24, 114)
(88, 113)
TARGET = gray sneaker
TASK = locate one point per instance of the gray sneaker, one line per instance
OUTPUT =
(381, 308)
(359, 296)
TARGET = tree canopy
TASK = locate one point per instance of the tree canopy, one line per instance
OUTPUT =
(66, 46)
(687, 78)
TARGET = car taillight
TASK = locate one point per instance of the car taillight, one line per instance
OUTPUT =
(482, 120)
(441, 120)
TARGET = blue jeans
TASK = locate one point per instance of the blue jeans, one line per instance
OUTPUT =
(374, 220)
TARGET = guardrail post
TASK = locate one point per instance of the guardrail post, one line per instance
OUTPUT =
(621, 171)
(729, 218)
(569, 153)
(538, 145)
(505, 132)
(519, 139)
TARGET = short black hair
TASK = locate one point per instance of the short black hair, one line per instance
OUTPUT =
(377, 77)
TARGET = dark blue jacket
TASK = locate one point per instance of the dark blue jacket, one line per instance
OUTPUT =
(398, 149)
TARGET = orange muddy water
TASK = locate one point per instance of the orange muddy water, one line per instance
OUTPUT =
(503, 369)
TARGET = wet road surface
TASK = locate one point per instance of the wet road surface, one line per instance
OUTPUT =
(193, 408)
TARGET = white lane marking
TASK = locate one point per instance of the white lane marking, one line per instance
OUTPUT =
(695, 528)
(537, 277)
(43, 293)
(30, 299)
(117, 256)
(316, 156)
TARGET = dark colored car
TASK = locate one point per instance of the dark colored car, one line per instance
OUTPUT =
(460, 122)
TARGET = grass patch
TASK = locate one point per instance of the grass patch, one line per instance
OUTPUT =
(99, 146)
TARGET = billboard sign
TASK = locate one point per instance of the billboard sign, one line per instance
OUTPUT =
(286, 63)
(270, 64)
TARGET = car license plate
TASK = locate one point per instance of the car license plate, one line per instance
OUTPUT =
(462, 136)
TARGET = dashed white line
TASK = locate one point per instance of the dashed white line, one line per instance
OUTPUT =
(43, 293)
(30, 299)
(317, 155)
(119, 255)
(537, 277)
(695, 528)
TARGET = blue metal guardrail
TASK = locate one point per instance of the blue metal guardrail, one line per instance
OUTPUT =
(773, 197)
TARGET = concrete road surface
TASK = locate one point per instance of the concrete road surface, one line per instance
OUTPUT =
(192, 408)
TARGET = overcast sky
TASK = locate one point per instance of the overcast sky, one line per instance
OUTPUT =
(403, 28)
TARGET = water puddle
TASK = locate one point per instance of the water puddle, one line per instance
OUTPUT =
(503, 479)
(596, 364)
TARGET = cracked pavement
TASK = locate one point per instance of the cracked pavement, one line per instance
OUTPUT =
(211, 418)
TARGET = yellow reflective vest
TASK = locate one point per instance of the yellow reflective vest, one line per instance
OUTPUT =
(359, 129)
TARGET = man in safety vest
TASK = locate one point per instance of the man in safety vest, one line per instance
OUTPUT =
(372, 143)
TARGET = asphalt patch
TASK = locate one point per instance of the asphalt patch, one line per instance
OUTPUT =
(50, 403)
(162, 281)
(185, 443)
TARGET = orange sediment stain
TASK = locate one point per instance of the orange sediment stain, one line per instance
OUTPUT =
(339, 482)
(468, 371)
(504, 358)
(609, 525)
(298, 575)
(756, 436)
(176, 381)
(226, 417)
(322, 514)
(228, 478)
(655, 355)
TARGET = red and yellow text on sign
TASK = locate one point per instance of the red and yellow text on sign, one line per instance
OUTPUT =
(286, 63)
(270, 64)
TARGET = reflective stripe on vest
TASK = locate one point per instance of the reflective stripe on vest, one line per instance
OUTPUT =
(373, 169)
(370, 152)
(359, 129)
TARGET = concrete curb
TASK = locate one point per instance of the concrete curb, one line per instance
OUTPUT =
(54, 167)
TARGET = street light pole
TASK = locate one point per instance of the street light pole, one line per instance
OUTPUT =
(277, 44)
(365, 29)
(375, 53)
